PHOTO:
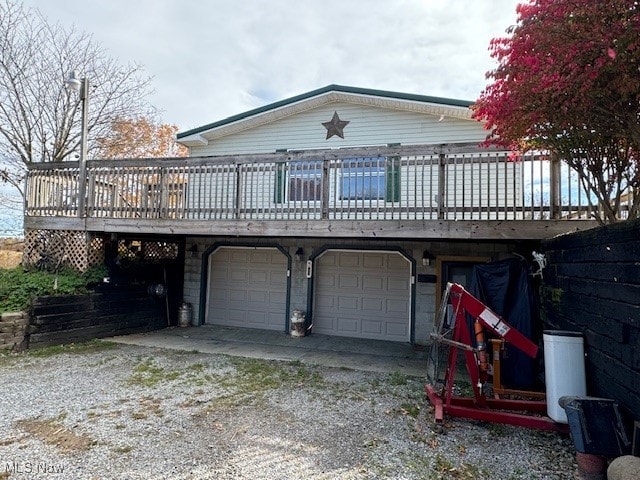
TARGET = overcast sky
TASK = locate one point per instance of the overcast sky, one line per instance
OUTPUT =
(210, 59)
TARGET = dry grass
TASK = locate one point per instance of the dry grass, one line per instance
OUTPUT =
(54, 433)
(11, 252)
(12, 244)
(9, 259)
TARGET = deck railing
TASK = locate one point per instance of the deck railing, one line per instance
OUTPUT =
(373, 183)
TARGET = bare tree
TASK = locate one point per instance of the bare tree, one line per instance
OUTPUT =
(39, 117)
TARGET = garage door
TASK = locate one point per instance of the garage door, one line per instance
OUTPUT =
(362, 294)
(247, 288)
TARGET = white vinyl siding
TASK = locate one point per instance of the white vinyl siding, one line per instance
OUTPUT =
(493, 188)
(211, 185)
(367, 126)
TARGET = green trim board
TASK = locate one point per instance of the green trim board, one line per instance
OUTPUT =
(393, 179)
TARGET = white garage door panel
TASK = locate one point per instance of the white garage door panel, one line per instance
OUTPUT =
(258, 277)
(239, 296)
(370, 261)
(258, 297)
(276, 298)
(362, 294)
(374, 284)
(347, 326)
(372, 328)
(348, 303)
(276, 278)
(348, 281)
(324, 301)
(248, 288)
(329, 323)
(234, 315)
(238, 276)
(397, 330)
(237, 256)
(396, 306)
(374, 305)
(397, 284)
(326, 281)
(258, 318)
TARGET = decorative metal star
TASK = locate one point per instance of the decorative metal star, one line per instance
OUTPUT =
(335, 126)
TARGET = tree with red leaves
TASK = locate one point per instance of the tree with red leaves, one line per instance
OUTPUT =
(568, 81)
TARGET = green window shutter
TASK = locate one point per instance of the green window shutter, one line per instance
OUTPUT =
(281, 178)
(393, 179)
(278, 193)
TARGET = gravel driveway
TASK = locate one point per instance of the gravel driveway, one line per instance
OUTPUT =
(105, 411)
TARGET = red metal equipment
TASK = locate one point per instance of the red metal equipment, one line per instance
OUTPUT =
(480, 407)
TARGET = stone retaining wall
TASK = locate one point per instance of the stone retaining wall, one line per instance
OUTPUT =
(13, 327)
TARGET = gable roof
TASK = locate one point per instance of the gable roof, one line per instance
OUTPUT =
(315, 98)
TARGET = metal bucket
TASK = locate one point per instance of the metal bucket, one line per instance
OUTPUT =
(184, 315)
(297, 323)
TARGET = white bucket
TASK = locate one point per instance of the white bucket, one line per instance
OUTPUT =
(563, 369)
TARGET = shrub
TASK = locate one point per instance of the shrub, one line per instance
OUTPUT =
(18, 285)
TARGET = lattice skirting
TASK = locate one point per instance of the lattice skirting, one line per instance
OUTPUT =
(55, 249)
(148, 251)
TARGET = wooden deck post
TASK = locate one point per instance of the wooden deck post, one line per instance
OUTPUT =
(442, 180)
(238, 197)
(163, 208)
(554, 190)
(325, 188)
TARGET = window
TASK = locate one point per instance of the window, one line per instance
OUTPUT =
(371, 179)
(303, 181)
(375, 178)
(363, 178)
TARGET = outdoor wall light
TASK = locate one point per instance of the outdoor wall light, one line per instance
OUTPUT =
(194, 250)
(427, 258)
(299, 254)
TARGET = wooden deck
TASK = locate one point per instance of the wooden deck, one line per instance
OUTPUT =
(438, 191)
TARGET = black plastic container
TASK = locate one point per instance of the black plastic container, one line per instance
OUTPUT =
(596, 425)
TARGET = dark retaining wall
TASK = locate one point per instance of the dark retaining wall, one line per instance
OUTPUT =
(592, 285)
(76, 318)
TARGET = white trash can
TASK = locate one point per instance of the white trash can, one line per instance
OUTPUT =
(563, 369)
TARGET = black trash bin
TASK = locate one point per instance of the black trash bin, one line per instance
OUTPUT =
(596, 425)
